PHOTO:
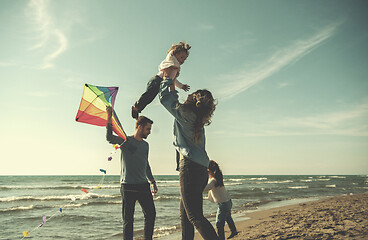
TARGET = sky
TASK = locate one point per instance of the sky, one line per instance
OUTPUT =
(290, 79)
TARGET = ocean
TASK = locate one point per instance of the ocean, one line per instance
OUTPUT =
(74, 214)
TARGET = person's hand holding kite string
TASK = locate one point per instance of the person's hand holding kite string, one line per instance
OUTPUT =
(109, 114)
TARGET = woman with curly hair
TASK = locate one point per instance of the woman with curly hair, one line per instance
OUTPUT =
(189, 141)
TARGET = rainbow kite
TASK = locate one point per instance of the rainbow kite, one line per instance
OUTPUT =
(92, 109)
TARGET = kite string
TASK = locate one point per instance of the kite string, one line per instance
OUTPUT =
(47, 219)
(101, 182)
(27, 233)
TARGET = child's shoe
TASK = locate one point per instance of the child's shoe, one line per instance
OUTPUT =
(233, 234)
(135, 112)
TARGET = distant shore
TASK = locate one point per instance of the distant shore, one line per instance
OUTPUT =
(342, 217)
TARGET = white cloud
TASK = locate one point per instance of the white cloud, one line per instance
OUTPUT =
(49, 34)
(63, 42)
(237, 44)
(331, 121)
(351, 122)
(206, 27)
(284, 84)
(241, 81)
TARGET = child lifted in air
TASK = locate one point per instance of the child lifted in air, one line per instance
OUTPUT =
(218, 194)
(169, 68)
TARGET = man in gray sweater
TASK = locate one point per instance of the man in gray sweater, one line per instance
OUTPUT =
(135, 171)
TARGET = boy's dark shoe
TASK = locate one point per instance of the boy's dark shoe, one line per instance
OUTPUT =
(135, 112)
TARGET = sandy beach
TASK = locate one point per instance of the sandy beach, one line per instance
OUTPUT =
(342, 217)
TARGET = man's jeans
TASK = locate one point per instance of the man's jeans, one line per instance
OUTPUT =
(153, 86)
(193, 179)
(131, 193)
(224, 215)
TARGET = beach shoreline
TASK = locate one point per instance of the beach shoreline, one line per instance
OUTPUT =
(339, 217)
(26, 199)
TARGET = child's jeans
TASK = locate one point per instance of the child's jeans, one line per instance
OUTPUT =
(153, 86)
(224, 215)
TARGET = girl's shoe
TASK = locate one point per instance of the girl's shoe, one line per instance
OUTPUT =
(233, 234)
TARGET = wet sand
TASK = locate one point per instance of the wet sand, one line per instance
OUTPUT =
(342, 217)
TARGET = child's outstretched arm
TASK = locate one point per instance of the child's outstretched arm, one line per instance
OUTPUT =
(180, 85)
(210, 185)
(185, 87)
(173, 73)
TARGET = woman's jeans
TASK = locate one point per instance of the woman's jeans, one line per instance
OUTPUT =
(153, 86)
(193, 179)
(142, 193)
(224, 215)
